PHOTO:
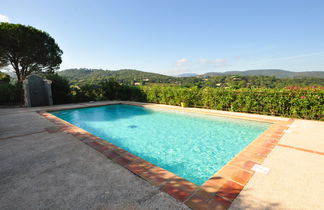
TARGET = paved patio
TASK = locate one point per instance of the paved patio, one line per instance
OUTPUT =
(42, 170)
(296, 177)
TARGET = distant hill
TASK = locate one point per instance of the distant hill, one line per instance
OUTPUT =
(129, 75)
(126, 76)
(269, 72)
(254, 78)
(187, 75)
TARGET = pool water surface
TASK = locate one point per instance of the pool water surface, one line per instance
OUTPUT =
(192, 146)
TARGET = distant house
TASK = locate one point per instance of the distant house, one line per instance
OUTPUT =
(137, 83)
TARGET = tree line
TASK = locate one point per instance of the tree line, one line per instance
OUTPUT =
(130, 77)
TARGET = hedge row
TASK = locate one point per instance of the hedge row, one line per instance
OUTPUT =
(302, 103)
(10, 93)
(296, 103)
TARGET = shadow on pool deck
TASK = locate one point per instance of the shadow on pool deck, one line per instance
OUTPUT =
(248, 202)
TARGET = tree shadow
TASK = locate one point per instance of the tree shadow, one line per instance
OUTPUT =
(243, 201)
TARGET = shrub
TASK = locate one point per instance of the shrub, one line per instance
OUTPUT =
(297, 103)
(61, 91)
(4, 78)
(112, 90)
(10, 94)
(107, 90)
(306, 103)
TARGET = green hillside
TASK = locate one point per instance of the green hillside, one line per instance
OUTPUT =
(126, 76)
(245, 79)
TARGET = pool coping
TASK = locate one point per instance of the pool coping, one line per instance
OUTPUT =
(217, 192)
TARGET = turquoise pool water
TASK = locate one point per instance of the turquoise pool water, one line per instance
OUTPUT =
(192, 146)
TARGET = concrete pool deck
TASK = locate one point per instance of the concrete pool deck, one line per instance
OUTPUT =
(54, 170)
(41, 169)
(296, 177)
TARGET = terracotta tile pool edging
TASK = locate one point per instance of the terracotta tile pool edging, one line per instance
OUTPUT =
(217, 192)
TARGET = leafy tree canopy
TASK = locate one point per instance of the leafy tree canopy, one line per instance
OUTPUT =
(28, 50)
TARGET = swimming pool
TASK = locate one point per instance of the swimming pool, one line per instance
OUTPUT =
(191, 146)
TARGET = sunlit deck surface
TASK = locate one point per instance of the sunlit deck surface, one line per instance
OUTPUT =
(43, 167)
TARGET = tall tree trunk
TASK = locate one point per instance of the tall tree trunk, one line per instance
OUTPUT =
(20, 81)
(22, 93)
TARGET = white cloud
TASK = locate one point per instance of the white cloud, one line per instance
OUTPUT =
(182, 61)
(185, 65)
(218, 62)
(4, 18)
(182, 65)
(213, 61)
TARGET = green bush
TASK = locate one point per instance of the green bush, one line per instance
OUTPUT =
(61, 91)
(112, 90)
(4, 78)
(86, 92)
(107, 90)
(10, 94)
(297, 103)
(294, 102)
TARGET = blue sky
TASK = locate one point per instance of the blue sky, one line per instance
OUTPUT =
(178, 36)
